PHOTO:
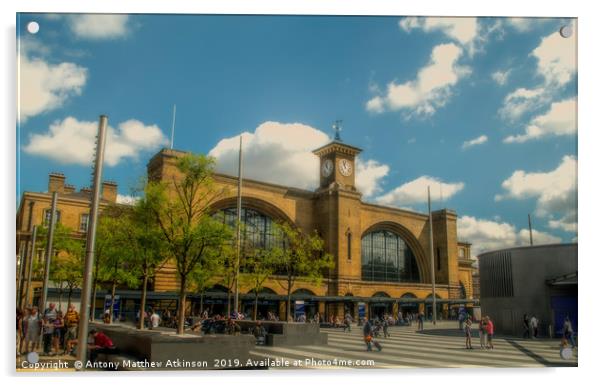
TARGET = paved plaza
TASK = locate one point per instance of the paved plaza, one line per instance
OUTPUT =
(435, 347)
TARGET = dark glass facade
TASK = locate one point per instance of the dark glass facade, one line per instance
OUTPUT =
(387, 258)
(258, 229)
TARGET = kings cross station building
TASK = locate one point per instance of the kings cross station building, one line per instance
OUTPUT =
(381, 254)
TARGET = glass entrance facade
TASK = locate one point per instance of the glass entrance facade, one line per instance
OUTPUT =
(387, 258)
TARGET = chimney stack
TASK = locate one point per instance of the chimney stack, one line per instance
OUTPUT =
(109, 191)
(56, 182)
(69, 189)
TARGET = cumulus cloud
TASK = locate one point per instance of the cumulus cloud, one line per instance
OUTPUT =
(501, 77)
(521, 101)
(464, 30)
(555, 193)
(127, 199)
(556, 66)
(369, 176)
(45, 86)
(282, 153)
(72, 141)
(557, 58)
(99, 26)
(475, 142)
(415, 192)
(431, 89)
(559, 120)
(486, 235)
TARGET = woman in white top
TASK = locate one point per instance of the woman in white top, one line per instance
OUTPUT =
(32, 330)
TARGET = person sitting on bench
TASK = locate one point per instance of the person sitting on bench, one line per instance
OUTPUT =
(102, 345)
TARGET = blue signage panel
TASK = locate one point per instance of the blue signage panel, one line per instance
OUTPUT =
(299, 309)
(361, 309)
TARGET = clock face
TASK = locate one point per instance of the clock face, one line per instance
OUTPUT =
(345, 167)
(327, 168)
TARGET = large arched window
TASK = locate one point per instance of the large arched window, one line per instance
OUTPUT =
(387, 258)
(258, 229)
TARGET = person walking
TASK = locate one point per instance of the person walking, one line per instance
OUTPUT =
(368, 334)
(567, 331)
(468, 332)
(155, 319)
(347, 323)
(32, 328)
(483, 332)
(57, 333)
(526, 327)
(534, 325)
(421, 321)
(71, 323)
(489, 330)
(47, 333)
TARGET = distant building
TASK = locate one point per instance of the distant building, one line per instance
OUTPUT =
(381, 253)
(532, 280)
(72, 210)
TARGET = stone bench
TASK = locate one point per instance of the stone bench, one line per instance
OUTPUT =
(167, 348)
(288, 333)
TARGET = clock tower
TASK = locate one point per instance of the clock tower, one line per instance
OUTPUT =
(337, 165)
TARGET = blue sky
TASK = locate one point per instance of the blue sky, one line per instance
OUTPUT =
(482, 110)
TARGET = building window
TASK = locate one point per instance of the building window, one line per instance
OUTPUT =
(47, 213)
(83, 222)
(258, 229)
(387, 258)
(348, 246)
(461, 252)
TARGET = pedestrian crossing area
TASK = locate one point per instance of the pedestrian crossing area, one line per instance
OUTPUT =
(409, 348)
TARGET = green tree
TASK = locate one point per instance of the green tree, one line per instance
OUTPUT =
(301, 256)
(66, 264)
(182, 210)
(119, 259)
(146, 245)
(258, 265)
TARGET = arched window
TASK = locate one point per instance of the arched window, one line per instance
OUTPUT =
(258, 229)
(387, 258)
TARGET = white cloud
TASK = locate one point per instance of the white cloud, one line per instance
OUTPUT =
(415, 191)
(71, 141)
(44, 86)
(369, 176)
(487, 235)
(521, 24)
(475, 142)
(127, 199)
(559, 120)
(281, 153)
(521, 101)
(555, 193)
(557, 58)
(556, 64)
(463, 30)
(501, 77)
(99, 26)
(431, 89)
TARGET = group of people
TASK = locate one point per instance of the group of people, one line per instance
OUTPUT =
(486, 328)
(56, 331)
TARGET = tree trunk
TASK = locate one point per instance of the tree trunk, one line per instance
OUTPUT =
(228, 307)
(288, 303)
(182, 309)
(255, 308)
(69, 296)
(114, 286)
(202, 294)
(143, 302)
(60, 297)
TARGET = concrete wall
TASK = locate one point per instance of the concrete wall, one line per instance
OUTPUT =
(531, 267)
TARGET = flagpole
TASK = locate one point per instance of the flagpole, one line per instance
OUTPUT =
(434, 296)
(238, 215)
